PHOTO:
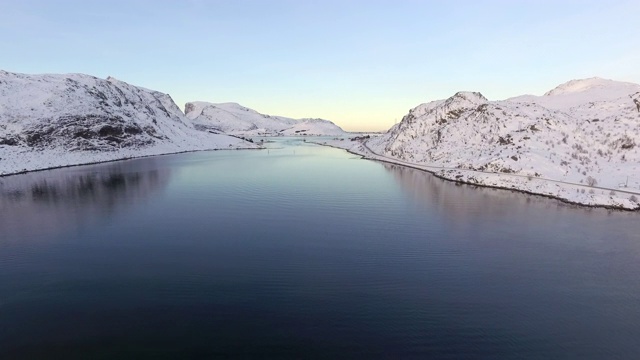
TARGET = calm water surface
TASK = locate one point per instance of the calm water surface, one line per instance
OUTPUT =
(304, 251)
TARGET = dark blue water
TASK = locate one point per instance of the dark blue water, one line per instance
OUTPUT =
(304, 251)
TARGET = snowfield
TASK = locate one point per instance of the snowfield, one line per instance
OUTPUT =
(232, 118)
(56, 120)
(579, 142)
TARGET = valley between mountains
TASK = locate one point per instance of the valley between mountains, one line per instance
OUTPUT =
(579, 142)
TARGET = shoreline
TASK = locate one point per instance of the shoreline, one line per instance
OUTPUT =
(513, 188)
(459, 179)
(119, 159)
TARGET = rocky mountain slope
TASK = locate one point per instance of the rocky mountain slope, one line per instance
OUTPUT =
(56, 120)
(236, 119)
(584, 132)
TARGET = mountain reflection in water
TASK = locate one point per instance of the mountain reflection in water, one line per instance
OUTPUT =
(472, 208)
(57, 200)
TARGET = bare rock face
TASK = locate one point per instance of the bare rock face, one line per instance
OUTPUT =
(90, 132)
(189, 108)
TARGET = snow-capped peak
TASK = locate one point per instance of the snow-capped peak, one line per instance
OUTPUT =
(234, 118)
(586, 93)
(464, 100)
(582, 85)
(470, 96)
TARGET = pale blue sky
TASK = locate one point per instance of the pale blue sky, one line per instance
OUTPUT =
(361, 64)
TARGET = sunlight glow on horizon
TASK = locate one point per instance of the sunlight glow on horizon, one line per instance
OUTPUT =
(360, 64)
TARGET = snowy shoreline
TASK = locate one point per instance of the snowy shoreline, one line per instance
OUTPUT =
(106, 159)
(583, 195)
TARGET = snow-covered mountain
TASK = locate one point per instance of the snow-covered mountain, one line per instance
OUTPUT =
(236, 119)
(313, 127)
(584, 131)
(63, 119)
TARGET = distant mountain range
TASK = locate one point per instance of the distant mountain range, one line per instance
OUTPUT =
(232, 118)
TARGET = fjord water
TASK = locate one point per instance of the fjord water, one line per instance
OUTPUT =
(303, 251)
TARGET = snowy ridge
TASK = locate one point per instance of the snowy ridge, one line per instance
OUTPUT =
(233, 118)
(605, 88)
(57, 120)
(236, 119)
(313, 127)
(584, 132)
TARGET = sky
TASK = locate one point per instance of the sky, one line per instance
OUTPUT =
(361, 64)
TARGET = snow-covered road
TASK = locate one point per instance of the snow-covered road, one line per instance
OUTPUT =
(435, 169)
